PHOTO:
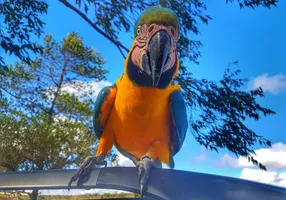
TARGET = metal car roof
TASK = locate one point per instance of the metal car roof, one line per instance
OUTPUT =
(164, 184)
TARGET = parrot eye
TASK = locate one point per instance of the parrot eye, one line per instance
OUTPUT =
(173, 31)
(138, 31)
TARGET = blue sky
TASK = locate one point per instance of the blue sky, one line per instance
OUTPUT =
(255, 38)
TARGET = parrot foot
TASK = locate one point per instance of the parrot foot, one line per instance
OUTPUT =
(144, 167)
(86, 167)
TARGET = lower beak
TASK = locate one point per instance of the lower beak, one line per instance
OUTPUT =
(155, 62)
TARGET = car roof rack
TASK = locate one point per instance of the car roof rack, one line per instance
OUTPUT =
(164, 184)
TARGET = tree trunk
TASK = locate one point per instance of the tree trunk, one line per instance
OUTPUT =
(34, 195)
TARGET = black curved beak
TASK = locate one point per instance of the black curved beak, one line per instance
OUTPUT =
(155, 62)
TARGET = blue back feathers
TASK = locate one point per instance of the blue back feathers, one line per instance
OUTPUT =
(101, 98)
(179, 113)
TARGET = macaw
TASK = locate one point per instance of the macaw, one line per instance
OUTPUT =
(143, 114)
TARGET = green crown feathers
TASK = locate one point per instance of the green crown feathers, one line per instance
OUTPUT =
(158, 15)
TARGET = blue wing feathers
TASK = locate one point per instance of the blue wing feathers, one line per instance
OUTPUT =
(179, 113)
(102, 96)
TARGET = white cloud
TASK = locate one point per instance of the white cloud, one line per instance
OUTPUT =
(124, 161)
(227, 160)
(282, 179)
(273, 84)
(268, 177)
(202, 157)
(81, 89)
(273, 158)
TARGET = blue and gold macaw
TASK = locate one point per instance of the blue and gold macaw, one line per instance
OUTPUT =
(144, 114)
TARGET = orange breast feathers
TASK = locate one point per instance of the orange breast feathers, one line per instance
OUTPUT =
(140, 121)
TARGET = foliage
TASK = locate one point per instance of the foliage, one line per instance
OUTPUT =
(34, 144)
(43, 125)
(79, 197)
(19, 21)
(219, 109)
(38, 87)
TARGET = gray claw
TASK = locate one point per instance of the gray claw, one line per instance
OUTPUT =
(85, 168)
(144, 167)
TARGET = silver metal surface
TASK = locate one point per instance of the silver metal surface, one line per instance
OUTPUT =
(163, 184)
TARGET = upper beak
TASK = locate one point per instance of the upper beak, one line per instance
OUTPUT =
(155, 62)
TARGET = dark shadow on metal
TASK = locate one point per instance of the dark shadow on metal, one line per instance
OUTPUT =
(163, 184)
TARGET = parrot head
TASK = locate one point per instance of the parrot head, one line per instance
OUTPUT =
(153, 61)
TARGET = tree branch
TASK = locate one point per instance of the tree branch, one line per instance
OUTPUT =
(121, 52)
(116, 42)
(59, 85)
(24, 99)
